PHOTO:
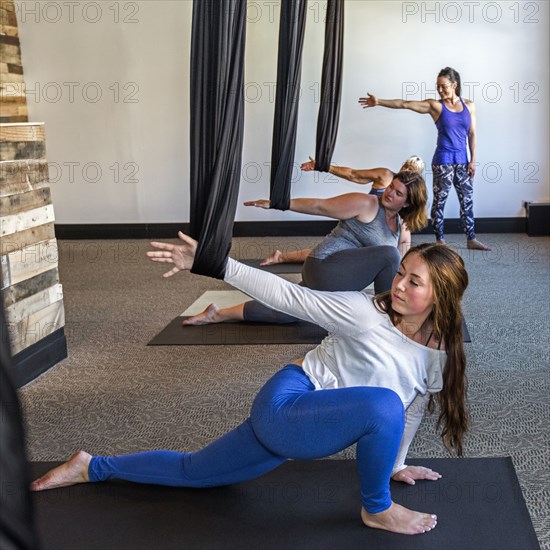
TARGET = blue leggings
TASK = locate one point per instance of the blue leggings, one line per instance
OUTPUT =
(289, 419)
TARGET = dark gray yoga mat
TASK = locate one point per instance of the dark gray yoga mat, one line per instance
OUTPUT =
(301, 505)
(242, 333)
(275, 268)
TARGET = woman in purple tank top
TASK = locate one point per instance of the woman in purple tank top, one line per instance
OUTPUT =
(455, 120)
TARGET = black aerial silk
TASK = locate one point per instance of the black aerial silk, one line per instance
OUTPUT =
(17, 529)
(289, 69)
(216, 128)
(331, 86)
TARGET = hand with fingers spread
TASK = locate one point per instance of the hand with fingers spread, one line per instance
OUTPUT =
(261, 203)
(370, 101)
(182, 256)
(411, 473)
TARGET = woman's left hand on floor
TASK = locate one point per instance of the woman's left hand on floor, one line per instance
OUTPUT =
(411, 473)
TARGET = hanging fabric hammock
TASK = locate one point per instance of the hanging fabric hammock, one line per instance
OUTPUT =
(289, 68)
(331, 86)
(216, 128)
(217, 115)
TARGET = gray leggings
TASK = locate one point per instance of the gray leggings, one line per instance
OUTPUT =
(352, 269)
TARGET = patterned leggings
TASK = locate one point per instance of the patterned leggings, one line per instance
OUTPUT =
(445, 175)
(289, 419)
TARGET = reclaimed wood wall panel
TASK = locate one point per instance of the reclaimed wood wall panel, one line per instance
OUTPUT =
(31, 290)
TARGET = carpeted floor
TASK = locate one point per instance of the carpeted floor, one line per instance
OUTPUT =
(116, 395)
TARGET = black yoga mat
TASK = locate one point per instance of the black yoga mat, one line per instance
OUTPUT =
(240, 333)
(275, 268)
(301, 505)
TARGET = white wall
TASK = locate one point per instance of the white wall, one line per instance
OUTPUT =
(124, 158)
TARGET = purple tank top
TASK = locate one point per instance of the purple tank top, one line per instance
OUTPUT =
(452, 136)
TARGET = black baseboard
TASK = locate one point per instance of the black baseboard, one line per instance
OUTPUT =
(316, 228)
(38, 358)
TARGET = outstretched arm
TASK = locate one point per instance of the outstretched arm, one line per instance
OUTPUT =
(424, 107)
(338, 312)
(342, 207)
(381, 176)
(343, 313)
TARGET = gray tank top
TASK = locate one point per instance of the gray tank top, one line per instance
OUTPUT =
(353, 233)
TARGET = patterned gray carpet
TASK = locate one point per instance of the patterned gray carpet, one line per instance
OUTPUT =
(116, 395)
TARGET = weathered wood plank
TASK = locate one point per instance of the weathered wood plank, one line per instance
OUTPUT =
(9, 50)
(9, 30)
(12, 108)
(32, 131)
(20, 176)
(22, 239)
(21, 150)
(14, 78)
(25, 220)
(22, 202)
(10, 40)
(14, 58)
(28, 262)
(24, 289)
(33, 304)
(7, 13)
(10, 119)
(12, 92)
(10, 68)
(36, 327)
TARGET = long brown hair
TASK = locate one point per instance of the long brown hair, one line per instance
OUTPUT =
(414, 215)
(449, 280)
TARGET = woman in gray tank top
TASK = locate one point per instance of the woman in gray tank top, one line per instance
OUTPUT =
(360, 250)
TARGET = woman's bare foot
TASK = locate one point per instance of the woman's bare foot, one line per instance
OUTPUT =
(440, 241)
(275, 258)
(474, 244)
(74, 471)
(209, 315)
(399, 519)
(213, 314)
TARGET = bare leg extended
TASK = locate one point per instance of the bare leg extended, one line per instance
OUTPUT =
(214, 314)
(74, 471)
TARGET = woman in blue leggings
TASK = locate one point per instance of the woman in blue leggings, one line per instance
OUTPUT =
(400, 351)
